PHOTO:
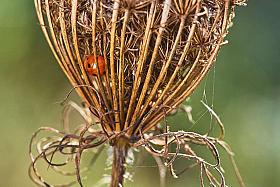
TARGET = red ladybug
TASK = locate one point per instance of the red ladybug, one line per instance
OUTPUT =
(90, 65)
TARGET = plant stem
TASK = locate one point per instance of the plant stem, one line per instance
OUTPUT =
(119, 163)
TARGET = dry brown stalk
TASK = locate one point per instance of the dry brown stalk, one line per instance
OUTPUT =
(156, 54)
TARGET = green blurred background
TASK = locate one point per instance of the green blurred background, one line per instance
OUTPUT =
(246, 97)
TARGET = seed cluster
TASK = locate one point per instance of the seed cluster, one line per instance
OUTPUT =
(156, 52)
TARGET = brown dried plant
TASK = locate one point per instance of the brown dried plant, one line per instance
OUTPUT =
(156, 54)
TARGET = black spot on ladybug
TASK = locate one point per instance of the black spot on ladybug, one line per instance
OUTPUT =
(87, 58)
(88, 65)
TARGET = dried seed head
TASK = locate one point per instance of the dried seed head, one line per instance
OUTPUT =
(156, 52)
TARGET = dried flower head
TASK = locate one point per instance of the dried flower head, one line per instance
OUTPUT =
(155, 54)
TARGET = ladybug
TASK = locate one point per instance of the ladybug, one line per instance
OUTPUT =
(90, 65)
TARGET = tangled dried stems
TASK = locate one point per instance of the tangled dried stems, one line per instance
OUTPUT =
(156, 54)
(72, 145)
